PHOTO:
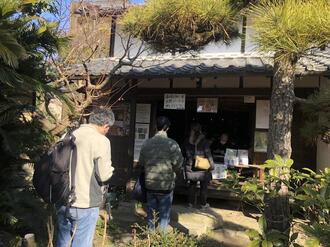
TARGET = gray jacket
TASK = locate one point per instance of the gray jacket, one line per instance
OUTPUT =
(161, 158)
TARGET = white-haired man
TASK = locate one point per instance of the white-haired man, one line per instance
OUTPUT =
(76, 225)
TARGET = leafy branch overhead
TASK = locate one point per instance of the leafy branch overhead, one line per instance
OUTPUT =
(176, 25)
(291, 27)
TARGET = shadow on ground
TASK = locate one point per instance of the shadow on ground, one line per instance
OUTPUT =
(222, 224)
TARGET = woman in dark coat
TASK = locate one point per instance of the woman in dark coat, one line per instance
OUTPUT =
(196, 144)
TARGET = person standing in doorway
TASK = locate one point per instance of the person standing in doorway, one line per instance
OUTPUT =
(76, 224)
(195, 145)
(161, 159)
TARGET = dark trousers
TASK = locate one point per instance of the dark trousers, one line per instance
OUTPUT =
(159, 204)
(202, 192)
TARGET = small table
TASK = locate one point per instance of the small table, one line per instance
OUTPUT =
(258, 171)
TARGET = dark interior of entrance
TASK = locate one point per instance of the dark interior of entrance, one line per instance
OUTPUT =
(234, 118)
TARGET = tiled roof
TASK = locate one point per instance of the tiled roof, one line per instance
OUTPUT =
(102, 7)
(108, 3)
(202, 65)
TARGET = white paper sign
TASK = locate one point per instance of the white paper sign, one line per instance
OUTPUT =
(143, 113)
(141, 134)
(174, 101)
(219, 172)
(262, 114)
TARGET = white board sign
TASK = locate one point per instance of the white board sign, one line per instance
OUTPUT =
(219, 172)
(141, 134)
(143, 113)
(262, 114)
(174, 101)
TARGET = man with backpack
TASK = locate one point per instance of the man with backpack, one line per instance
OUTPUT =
(77, 222)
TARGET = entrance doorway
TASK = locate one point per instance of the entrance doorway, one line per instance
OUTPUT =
(233, 117)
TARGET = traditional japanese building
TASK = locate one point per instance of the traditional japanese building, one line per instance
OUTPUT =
(226, 89)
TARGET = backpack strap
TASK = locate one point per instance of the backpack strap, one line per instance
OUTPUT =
(73, 166)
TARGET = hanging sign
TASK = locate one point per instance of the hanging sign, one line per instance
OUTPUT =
(262, 114)
(141, 134)
(207, 105)
(260, 141)
(143, 113)
(174, 101)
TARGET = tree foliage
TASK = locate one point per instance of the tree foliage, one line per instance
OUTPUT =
(183, 25)
(290, 27)
(26, 42)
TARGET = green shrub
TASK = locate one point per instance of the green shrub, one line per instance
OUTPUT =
(143, 237)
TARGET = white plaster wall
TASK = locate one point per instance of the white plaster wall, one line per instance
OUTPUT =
(221, 82)
(323, 155)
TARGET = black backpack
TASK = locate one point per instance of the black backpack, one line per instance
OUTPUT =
(51, 177)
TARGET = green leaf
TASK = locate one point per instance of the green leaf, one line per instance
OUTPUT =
(327, 170)
(312, 242)
(30, 1)
(254, 243)
(302, 197)
(266, 243)
(42, 29)
(289, 163)
(279, 160)
(252, 234)
(310, 171)
(262, 224)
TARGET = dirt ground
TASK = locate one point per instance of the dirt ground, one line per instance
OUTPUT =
(229, 230)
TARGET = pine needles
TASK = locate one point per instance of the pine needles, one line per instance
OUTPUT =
(291, 26)
(182, 25)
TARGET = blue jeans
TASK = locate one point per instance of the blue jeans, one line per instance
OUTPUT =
(160, 204)
(77, 224)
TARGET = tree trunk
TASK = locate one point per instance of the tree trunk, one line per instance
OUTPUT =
(281, 113)
(277, 210)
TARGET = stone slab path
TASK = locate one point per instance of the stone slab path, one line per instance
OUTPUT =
(216, 226)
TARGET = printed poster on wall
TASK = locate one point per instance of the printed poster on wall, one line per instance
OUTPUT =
(174, 101)
(262, 114)
(143, 113)
(260, 141)
(121, 126)
(141, 134)
(207, 105)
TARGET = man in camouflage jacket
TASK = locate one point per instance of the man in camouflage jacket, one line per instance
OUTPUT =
(161, 158)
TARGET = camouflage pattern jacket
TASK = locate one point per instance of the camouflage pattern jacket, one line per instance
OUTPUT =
(161, 158)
